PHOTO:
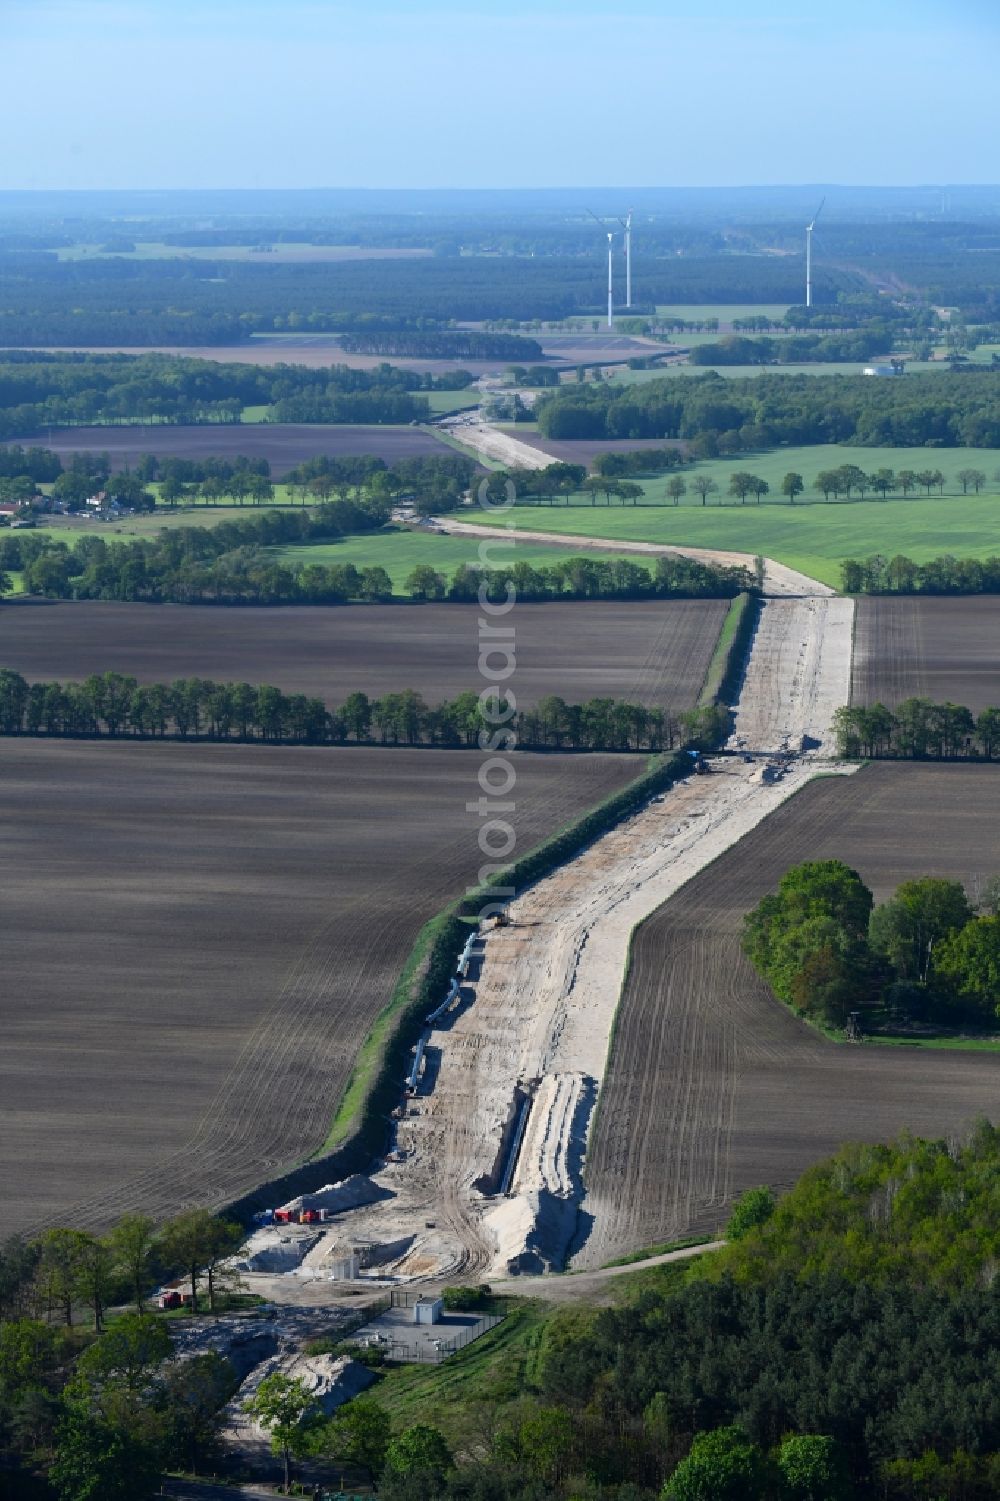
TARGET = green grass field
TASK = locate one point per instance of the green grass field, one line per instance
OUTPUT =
(443, 402)
(810, 460)
(398, 552)
(741, 372)
(813, 536)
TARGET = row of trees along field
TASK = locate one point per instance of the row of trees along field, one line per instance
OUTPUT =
(192, 565)
(558, 482)
(917, 730)
(435, 482)
(52, 390)
(115, 706)
(925, 956)
(720, 416)
(901, 575)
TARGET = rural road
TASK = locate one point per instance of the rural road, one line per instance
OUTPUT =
(592, 1284)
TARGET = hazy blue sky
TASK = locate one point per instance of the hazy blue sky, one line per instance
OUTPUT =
(313, 93)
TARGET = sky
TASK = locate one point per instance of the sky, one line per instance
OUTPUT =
(437, 93)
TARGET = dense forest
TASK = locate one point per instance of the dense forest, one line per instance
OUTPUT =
(113, 706)
(117, 301)
(924, 956)
(719, 416)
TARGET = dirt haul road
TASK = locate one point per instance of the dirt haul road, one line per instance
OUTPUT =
(534, 1022)
(779, 580)
(501, 447)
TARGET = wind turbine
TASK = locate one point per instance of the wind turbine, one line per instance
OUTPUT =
(809, 253)
(611, 253)
(626, 225)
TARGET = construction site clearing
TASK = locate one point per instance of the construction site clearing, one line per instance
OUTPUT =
(484, 1172)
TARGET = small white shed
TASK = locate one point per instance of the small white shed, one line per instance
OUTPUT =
(427, 1311)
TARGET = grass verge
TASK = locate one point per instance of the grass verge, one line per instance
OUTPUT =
(660, 1250)
(425, 972)
(461, 1395)
(726, 667)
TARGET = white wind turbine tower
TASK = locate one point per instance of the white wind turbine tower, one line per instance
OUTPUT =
(626, 225)
(611, 281)
(611, 254)
(809, 253)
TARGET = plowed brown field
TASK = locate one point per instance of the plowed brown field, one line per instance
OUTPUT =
(942, 649)
(654, 652)
(713, 1086)
(283, 444)
(196, 940)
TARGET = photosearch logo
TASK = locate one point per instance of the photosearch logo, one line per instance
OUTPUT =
(497, 704)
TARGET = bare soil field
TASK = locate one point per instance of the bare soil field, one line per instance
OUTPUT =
(653, 652)
(942, 649)
(315, 351)
(196, 941)
(713, 1086)
(283, 444)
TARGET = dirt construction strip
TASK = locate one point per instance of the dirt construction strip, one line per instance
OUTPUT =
(522, 1057)
(490, 443)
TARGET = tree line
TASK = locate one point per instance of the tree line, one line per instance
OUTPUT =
(637, 462)
(901, 575)
(80, 390)
(231, 564)
(719, 416)
(917, 730)
(735, 349)
(925, 956)
(115, 706)
(448, 344)
(435, 481)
